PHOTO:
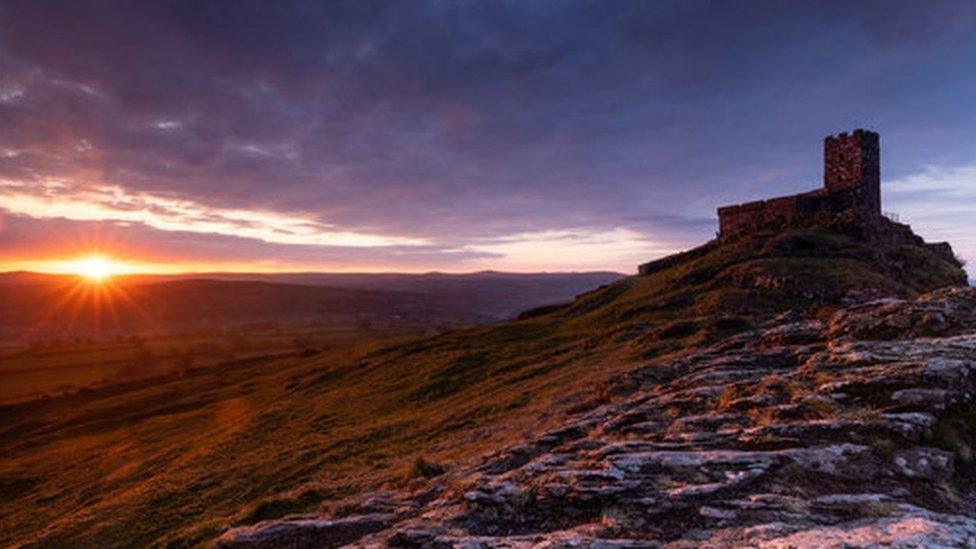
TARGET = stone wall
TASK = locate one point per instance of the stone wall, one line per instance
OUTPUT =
(852, 161)
(851, 181)
(741, 217)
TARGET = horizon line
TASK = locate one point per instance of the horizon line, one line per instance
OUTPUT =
(293, 273)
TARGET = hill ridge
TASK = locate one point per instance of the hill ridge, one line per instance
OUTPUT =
(731, 352)
(305, 435)
(748, 444)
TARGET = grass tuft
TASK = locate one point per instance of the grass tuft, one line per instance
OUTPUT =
(422, 468)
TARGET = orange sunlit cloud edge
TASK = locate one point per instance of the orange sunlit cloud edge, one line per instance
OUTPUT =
(542, 252)
(134, 251)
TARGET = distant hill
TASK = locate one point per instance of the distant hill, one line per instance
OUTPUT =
(495, 294)
(38, 306)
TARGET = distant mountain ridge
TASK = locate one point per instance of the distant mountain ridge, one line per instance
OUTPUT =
(41, 305)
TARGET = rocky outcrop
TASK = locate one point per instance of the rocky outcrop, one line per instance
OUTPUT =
(309, 532)
(802, 433)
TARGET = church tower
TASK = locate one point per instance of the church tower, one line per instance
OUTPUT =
(852, 164)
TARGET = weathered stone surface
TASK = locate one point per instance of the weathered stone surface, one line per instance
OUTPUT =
(806, 434)
(941, 313)
(911, 527)
(304, 532)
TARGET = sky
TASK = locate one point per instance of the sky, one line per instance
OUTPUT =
(460, 136)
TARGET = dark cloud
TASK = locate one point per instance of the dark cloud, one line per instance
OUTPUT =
(907, 24)
(460, 121)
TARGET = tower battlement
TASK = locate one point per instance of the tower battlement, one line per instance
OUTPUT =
(851, 181)
(852, 161)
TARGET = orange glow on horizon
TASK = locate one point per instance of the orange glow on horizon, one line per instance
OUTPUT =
(96, 268)
(93, 293)
(534, 252)
(137, 267)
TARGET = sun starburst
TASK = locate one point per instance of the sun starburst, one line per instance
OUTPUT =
(96, 268)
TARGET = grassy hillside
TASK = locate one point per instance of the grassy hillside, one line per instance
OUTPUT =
(56, 369)
(177, 462)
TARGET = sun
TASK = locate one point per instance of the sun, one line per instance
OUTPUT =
(96, 268)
